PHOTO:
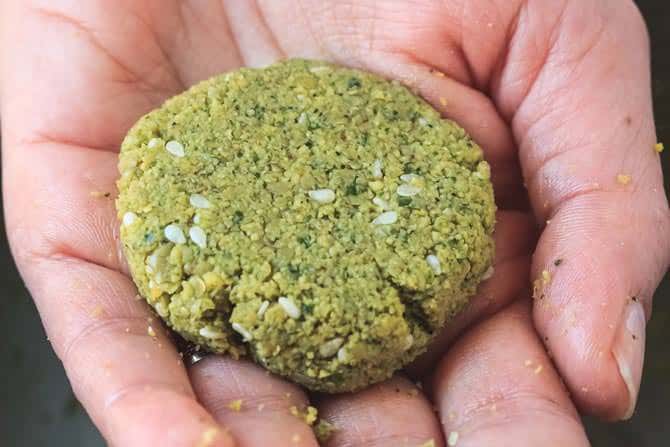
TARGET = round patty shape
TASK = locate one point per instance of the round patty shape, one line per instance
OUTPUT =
(323, 220)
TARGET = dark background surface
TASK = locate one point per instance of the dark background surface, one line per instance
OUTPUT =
(37, 407)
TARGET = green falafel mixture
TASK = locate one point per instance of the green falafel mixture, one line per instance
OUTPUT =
(322, 220)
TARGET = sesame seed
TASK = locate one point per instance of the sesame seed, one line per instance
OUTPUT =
(199, 201)
(129, 218)
(209, 332)
(434, 264)
(289, 307)
(174, 234)
(406, 190)
(330, 348)
(151, 331)
(246, 335)
(196, 219)
(322, 195)
(319, 69)
(198, 236)
(153, 143)
(261, 310)
(381, 203)
(409, 178)
(342, 355)
(377, 169)
(387, 218)
(488, 273)
(175, 148)
(152, 260)
(409, 341)
(302, 118)
(538, 370)
(423, 121)
(452, 439)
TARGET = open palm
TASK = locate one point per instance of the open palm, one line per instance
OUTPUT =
(557, 94)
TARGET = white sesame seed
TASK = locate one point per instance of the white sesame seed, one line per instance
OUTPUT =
(198, 236)
(196, 219)
(199, 201)
(386, 218)
(423, 121)
(129, 218)
(302, 118)
(246, 335)
(174, 234)
(261, 310)
(408, 178)
(322, 195)
(434, 263)
(452, 439)
(488, 273)
(153, 143)
(330, 348)
(406, 190)
(161, 308)
(152, 260)
(208, 332)
(319, 69)
(289, 307)
(342, 355)
(381, 203)
(175, 148)
(409, 341)
(377, 169)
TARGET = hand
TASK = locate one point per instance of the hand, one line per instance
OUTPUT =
(557, 94)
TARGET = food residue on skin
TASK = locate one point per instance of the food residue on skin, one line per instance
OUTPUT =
(558, 262)
(235, 405)
(208, 437)
(538, 369)
(659, 147)
(99, 194)
(429, 443)
(623, 179)
(151, 332)
(443, 101)
(452, 439)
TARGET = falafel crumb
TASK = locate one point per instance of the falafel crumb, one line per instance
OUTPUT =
(323, 430)
(659, 147)
(623, 179)
(235, 405)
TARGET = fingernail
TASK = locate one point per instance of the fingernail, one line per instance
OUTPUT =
(629, 350)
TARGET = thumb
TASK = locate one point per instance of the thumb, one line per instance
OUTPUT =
(586, 140)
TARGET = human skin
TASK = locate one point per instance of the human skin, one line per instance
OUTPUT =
(556, 92)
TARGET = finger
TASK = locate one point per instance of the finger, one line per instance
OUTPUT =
(515, 238)
(392, 413)
(129, 377)
(120, 362)
(259, 408)
(497, 387)
(587, 137)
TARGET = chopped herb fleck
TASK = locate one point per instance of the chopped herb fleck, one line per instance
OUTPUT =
(404, 201)
(237, 217)
(355, 188)
(307, 308)
(306, 240)
(354, 83)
